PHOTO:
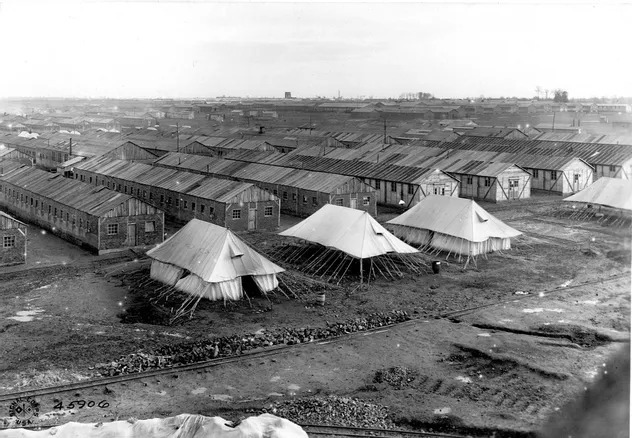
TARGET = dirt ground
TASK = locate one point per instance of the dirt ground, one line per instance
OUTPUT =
(509, 366)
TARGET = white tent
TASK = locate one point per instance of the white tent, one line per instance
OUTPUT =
(354, 233)
(456, 225)
(348, 230)
(209, 261)
(609, 192)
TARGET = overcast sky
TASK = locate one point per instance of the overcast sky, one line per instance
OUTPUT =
(208, 49)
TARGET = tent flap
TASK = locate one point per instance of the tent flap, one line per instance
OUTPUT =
(165, 273)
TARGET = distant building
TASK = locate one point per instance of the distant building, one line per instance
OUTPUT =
(12, 240)
(288, 94)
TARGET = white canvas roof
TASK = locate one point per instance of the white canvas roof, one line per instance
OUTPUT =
(610, 192)
(211, 252)
(456, 217)
(351, 231)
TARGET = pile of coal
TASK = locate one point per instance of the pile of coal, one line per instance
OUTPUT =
(397, 377)
(192, 352)
(333, 411)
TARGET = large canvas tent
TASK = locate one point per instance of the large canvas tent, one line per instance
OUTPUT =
(345, 235)
(456, 225)
(209, 261)
(608, 192)
(612, 193)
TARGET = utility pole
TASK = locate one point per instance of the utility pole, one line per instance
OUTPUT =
(553, 126)
(385, 131)
(178, 136)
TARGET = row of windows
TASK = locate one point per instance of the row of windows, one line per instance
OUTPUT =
(113, 229)
(267, 212)
(469, 180)
(410, 189)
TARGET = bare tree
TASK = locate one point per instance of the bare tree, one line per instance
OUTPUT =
(546, 94)
(538, 91)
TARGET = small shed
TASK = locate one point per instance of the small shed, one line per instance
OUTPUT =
(13, 236)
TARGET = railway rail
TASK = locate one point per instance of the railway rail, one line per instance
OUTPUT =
(271, 351)
(358, 432)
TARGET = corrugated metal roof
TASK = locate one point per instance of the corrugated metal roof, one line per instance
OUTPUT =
(87, 198)
(169, 179)
(256, 172)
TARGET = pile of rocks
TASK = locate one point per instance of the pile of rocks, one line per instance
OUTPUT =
(333, 411)
(397, 377)
(191, 352)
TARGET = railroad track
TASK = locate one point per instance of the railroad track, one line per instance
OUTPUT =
(268, 351)
(469, 310)
(347, 431)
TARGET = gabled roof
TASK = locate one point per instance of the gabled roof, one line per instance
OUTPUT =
(211, 252)
(87, 198)
(351, 231)
(610, 192)
(456, 217)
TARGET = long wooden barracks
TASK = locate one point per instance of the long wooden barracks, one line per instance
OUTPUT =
(93, 217)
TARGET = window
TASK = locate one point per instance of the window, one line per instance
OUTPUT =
(119, 188)
(185, 204)
(192, 206)
(151, 196)
(435, 190)
(90, 180)
(411, 189)
(144, 194)
(125, 190)
(108, 184)
(150, 226)
(314, 201)
(613, 168)
(112, 229)
(285, 196)
(66, 216)
(162, 199)
(366, 200)
(21, 197)
(304, 199)
(443, 191)
(55, 212)
(169, 200)
(488, 181)
(293, 196)
(267, 211)
(36, 202)
(339, 201)
(576, 177)
(469, 180)
(553, 174)
(31, 202)
(102, 182)
(377, 184)
(393, 186)
(237, 213)
(211, 211)
(177, 202)
(202, 208)
(49, 209)
(8, 241)
(275, 192)
(138, 192)
(80, 223)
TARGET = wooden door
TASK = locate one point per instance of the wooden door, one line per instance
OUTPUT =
(131, 234)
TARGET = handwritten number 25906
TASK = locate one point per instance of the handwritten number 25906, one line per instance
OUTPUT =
(82, 404)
